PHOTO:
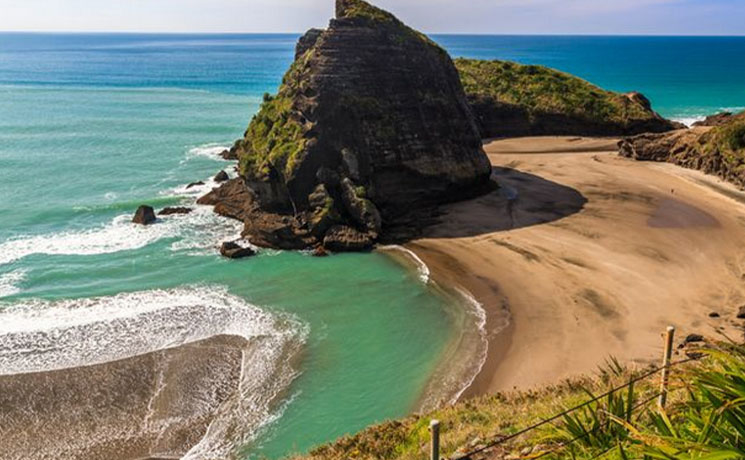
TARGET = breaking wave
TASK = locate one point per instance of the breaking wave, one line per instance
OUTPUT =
(9, 282)
(202, 229)
(38, 335)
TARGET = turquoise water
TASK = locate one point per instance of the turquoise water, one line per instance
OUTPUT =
(91, 126)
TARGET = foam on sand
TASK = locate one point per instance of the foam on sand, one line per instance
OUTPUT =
(55, 338)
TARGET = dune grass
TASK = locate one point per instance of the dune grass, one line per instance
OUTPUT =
(704, 419)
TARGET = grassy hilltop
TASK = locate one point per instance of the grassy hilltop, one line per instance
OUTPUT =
(512, 99)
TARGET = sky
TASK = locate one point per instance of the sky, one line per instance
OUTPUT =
(646, 17)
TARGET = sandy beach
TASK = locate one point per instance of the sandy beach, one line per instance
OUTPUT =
(154, 406)
(591, 256)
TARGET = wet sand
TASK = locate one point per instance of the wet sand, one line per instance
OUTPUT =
(591, 256)
(152, 406)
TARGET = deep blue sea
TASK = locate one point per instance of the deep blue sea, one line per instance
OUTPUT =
(93, 125)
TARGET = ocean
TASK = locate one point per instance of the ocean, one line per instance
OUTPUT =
(93, 125)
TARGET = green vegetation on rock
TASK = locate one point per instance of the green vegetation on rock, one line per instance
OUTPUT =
(275, 134)
(358, 9)
(543, 90)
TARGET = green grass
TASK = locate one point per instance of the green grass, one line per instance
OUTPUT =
(543, 90)
(704, 419)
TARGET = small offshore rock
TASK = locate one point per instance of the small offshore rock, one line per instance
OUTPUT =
(222, 176)
(194, 184)
(169, 211)
(233, 250)
(320, 251)
(145, 215)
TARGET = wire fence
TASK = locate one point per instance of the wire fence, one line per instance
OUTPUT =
(501, 440)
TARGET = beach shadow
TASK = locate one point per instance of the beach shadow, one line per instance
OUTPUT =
(522, 200)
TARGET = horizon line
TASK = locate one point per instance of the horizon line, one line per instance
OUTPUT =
(526, 34)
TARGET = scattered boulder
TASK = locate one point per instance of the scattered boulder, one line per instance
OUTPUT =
(222, 176)
(741, 313)
(693, 338)
(714, 315)
(194, 184)
(169, 211)
(233, 250)
(145, 215)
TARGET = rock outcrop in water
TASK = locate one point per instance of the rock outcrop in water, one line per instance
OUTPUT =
(511, 99)
(370, 124)
(145, 215)
(718, 150)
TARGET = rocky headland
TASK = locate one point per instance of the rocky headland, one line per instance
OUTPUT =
(716, 147)
(512, 100)
(349, 150)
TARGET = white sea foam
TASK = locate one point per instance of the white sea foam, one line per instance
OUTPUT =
(9, 282)
(39, 335)
(689, 121)
(211, 151)
(476, 309)
(421, 267)
(201, 229)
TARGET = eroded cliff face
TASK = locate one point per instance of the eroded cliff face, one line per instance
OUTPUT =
(370, 123)
(718, 149)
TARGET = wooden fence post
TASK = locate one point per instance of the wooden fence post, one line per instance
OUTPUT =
(434, 428)
(664, 377)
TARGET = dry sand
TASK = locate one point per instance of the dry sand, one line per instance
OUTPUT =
(591, 255)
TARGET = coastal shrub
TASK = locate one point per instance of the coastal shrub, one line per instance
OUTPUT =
(543, 90)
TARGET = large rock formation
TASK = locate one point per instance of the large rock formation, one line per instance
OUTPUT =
(511, 99)
(370, 123)
(718, 150)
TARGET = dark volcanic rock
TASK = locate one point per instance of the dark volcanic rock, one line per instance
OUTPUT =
(233, 250)
(347, 239)
(222, 176)
(370, 123)
(194, 184)
(169, 211)
(232, 199)
(145, 215)
(231, 154)
(741, 313)
(693, 338)
(277, 231)
(511, 99)
(718, 150)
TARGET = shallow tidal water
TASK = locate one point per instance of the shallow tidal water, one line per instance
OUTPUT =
(91, 126)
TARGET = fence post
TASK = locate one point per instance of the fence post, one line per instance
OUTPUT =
(664, 377)
(434, 428)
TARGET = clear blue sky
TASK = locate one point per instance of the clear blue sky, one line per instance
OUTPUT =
(675, 17)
